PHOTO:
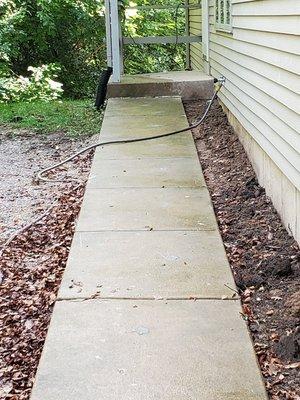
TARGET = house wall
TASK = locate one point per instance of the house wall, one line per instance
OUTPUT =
(261, 62)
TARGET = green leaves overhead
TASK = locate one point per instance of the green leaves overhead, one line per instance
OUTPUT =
(67, 32)
(71, 34)
(154, 22)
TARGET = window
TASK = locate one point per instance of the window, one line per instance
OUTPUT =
(223, 15)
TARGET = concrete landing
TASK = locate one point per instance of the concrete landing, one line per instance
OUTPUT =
(188, 85)
(145, 310)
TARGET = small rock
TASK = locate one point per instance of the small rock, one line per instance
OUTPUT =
(245, 280)
(141, 330)
(282, 268)
(275, 294)
(293, 304)
(28, 324)
(253, 327)
(16, 118)
(288, 347)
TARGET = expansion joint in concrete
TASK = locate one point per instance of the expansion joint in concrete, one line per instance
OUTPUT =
(192, 298)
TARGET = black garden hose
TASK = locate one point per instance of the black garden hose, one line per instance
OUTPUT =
(197, 122)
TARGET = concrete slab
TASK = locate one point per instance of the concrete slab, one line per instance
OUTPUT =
(150, 350)
(143, 126)
(147, 265)
(120, 124)
(160, 148)
(146, 106)
(146, 209)
(147, 173)
(186, 84)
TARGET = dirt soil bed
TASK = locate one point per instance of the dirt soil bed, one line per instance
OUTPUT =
(31, 266)
(264, 258)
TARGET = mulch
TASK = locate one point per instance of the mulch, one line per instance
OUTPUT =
(264, 258)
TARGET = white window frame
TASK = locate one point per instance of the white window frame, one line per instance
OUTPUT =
(223, 26)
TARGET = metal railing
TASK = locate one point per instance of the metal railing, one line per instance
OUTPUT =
(115, 40)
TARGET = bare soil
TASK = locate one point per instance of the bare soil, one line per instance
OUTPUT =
(263, 256)
(31, 266)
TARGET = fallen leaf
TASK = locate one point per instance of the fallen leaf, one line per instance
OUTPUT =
(293, 366)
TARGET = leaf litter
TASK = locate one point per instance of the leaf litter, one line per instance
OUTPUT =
(31, 266)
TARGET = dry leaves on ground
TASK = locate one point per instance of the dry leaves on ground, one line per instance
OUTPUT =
(31, 268)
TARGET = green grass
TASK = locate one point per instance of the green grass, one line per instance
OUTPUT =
(73, 117)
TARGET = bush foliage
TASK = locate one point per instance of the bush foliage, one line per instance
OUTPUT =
(39, 86)
(154, 22)
(70, 34)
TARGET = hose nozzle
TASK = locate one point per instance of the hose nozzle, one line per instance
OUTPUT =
(219, 82)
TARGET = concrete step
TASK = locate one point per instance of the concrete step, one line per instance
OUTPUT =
(186, 84)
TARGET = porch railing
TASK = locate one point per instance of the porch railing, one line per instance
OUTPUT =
(115, 39)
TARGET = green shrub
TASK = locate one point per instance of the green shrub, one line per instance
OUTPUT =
(159, 22)
(71, 33)
(39, 86)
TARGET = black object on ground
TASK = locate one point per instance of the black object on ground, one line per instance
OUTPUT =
(102, 87)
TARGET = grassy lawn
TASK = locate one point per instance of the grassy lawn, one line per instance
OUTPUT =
(74, 117)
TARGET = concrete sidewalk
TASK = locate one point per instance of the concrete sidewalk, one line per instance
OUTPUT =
(143, 312)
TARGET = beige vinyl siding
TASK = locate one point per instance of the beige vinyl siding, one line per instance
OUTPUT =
(263, 85)
(281, 24)
(195, 29)
(261, 63)
(279, 8)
